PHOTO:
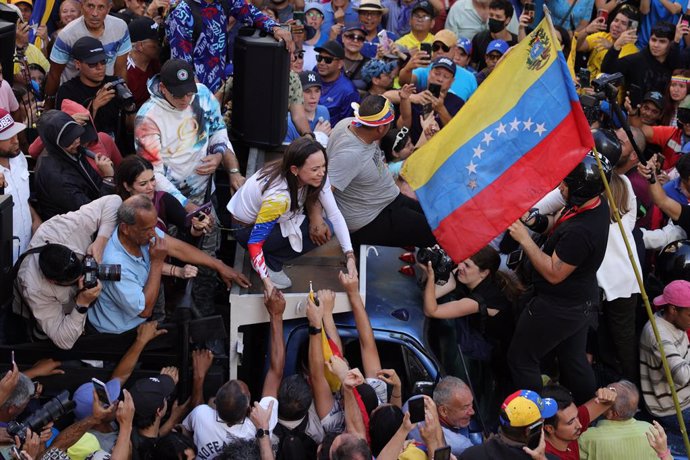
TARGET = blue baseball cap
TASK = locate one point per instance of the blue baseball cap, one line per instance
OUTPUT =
(497, 45)
(83, 398)
(318, 6)
(465, 44)
(354, 26)
(445, 63)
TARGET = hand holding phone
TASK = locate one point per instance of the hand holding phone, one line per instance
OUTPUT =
(416, 409)
(101, 392)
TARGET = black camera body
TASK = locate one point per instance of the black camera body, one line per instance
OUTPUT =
(441, 262)
(51, 411)
(93, 272)
(124, 96)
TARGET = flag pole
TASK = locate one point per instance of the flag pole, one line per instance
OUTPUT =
(648, 307)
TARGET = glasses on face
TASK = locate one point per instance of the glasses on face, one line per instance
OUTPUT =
(314, 14)
(493, 57)
(95, 64)
(440, 46)
(298, 55)
(354, 37)
(370, 13)
(326, 59)
(418, 17)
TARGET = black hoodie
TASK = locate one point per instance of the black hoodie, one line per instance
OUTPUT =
(63, 182)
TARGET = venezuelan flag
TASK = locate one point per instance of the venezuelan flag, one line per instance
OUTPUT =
(42, 9)
(513, 142)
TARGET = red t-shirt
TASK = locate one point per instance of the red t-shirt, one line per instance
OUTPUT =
(573, 452)
(137, 79)
(669, 139)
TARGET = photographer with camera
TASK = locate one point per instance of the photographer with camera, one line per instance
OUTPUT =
(50, 283)
(104, 95)
(140, 249)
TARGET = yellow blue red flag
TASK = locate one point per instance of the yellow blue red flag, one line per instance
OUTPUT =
(513, 142)
(42, 9)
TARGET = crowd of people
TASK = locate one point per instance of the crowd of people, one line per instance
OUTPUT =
(123, 108)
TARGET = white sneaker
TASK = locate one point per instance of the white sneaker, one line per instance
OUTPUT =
(279, 279)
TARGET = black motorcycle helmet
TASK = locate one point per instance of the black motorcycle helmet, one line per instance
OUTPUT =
(584, 182)
(607, 144)
(673, 262)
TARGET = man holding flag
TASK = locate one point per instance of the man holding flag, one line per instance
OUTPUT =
(523, 142)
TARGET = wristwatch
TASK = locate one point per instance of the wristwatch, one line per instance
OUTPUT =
(314, 330)
(81, 309)
(260, 433)
(234, 171)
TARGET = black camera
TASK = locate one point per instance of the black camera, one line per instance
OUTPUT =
(441, 262)
(606, 81)
(93, 272)
(124, 96)
(51, 411)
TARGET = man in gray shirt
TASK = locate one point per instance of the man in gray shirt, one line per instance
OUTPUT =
(374, 209)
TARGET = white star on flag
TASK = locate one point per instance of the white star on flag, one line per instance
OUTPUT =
(501, 129)
(528, 124)
(514, 125)
(487, 138)
(478, 152)
(472, 168)
(540, 129)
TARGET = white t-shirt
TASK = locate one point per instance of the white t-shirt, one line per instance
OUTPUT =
(115, 40)
(211, 435)
(17, 178)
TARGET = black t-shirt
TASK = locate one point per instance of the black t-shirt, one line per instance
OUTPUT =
(107, 118)
(684, 219)
(142, 446)
(479, 44)
(498, 328)
(452, 103)
(580, 241)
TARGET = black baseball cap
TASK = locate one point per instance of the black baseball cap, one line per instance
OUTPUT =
(425, 6)
(309, 79)
(655, 98)
(148, 394)
(178, 77)
(333, 48)
(143, 28)
(88, 50)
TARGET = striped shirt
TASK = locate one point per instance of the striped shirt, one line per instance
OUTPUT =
(655, 389)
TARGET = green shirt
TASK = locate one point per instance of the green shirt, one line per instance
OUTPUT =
(617, 439)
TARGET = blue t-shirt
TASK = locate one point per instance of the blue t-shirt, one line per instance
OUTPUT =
(672, 189)
(369, 48)
(118, 307)
(657, 12)
(292, 133)
(463, 85)
(337, 97)
(351, 17)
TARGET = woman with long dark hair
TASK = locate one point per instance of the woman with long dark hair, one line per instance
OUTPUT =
(676, 91)
(483, 314)
(279, 193)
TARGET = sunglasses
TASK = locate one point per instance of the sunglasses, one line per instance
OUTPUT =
(326, 59)
(298, 55)
(426, 17)
(354, 37)
(402, 134)
(440, 46)
(314, 14)
(95, 64)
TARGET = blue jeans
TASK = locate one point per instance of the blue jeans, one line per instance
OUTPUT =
(672, 427)
(276, 248)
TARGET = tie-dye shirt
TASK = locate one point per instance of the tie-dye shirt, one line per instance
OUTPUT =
(209, 53)
(175, 141)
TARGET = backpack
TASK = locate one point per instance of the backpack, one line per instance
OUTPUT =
(295, 444)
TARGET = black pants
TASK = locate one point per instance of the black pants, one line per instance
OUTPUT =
(618, 344)
(401, 223)
(545, 326)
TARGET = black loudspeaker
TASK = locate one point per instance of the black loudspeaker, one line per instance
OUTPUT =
(8, 27)
(5, 248)
(260, 89)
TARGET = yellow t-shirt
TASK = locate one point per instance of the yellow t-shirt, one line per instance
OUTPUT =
(409, 41)
(597, 52)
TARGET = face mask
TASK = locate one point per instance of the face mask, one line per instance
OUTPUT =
(495, 26)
